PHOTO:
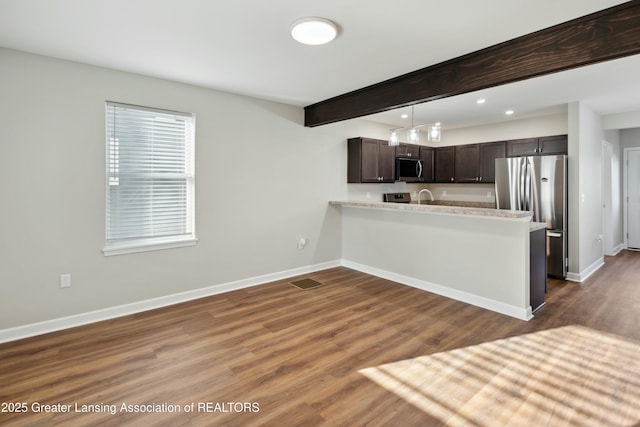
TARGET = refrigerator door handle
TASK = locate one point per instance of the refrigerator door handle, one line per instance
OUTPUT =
(527, 186)
(554, 234)
(522, 170)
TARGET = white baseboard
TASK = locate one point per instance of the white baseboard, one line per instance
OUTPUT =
(33, 329)
(584, 274)
(618, 249)
(615, 251)
(489, 304)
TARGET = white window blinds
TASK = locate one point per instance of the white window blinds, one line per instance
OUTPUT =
(150, 177)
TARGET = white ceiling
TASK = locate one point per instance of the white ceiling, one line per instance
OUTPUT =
(244, 47)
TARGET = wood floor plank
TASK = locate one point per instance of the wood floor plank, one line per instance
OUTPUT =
(298, 356)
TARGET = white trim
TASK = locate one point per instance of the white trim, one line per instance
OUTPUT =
(618, 249)
(486, 303)
(586, 273)
(26, 331)
(147, 245)
(625, 195)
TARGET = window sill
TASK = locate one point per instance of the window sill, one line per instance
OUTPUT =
(147, 245)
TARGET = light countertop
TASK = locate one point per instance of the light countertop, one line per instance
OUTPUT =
(438, 209)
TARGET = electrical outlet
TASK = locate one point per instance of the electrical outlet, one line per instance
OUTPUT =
(489, 194)
(65, 280)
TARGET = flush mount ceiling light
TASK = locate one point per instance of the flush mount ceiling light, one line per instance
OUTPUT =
(313, 30)
(434, 132)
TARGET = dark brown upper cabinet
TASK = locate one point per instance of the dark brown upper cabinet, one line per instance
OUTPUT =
(444, 162)
(522, 147)
(546, 145)
(408, 150)
(370, 160)
(467, 163)
(476, 162)
(489, 152)
(426, 157)
(557, 144)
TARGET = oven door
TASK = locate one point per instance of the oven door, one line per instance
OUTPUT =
(408, 170)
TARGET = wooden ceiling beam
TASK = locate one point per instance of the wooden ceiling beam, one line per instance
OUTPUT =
(602, 36)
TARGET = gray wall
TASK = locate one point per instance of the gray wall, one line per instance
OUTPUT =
(262, 181)
(585, 191)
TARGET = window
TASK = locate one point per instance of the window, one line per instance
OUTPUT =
(150, 179)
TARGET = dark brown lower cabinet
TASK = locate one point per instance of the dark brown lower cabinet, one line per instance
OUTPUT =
(537, 268)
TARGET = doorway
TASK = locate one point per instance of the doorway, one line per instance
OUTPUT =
(632, 198)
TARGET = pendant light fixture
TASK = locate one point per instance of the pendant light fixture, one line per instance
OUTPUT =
(413, 134)
(434, 132)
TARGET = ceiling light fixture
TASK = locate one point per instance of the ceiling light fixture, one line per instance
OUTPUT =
(434, 132)
(313, 30)
(481, 101)
(508, 112)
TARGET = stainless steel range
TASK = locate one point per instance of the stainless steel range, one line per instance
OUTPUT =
(397, 197)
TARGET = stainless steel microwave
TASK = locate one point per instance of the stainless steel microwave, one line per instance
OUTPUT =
(408, 170)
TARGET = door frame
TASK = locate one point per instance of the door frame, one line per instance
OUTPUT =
(625, 194)
(607, 208)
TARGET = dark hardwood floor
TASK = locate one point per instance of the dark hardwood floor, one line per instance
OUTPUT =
(277, 355)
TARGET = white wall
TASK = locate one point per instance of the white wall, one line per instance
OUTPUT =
(262, 181)
(630, 138)
(585, 194)
(547, 125)
(479, 260)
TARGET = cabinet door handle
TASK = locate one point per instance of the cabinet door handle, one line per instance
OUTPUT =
(451, 179)
(480, 179)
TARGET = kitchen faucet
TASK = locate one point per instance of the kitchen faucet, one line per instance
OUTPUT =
(423, 190)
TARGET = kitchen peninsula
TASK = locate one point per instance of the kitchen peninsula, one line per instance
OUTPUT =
(475, 255)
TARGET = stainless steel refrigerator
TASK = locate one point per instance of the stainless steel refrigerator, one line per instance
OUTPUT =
(538, 184)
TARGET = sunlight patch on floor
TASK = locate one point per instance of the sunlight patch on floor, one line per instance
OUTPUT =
(569, 376)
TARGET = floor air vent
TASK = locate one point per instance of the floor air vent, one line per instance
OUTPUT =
(306, 284)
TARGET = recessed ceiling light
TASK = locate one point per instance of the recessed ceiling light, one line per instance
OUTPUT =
(313, 30)
(481, 101)
(508, 112)
(404, 116)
